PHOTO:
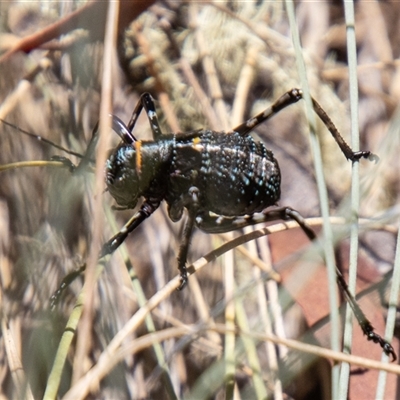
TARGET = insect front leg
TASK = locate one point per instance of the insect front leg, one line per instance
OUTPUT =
(146, 102)
(147, 208)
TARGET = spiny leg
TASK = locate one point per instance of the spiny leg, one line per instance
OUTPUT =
(67, 280)
(125, 131)
(346, 149)
(146, 102)
(287, 99)
(362, 320)
(219, 224)
(147, 208)
(292, 97)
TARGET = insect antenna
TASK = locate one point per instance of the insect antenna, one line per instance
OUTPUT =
(117, 125)
(42, 139)
(123, 131)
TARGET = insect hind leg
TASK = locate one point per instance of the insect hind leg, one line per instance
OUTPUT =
(365, 324)
(292, 97)
(220, 224)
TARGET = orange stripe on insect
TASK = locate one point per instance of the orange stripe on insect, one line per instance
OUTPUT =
(195, 142)
(138, 148)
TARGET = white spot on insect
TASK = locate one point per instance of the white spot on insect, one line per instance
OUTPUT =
(125, 154)
(219, 220)
(198, 147)
(251, 123)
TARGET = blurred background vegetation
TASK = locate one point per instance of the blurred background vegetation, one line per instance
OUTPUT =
(208, 65)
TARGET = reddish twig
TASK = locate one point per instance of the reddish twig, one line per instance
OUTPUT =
(83, 18)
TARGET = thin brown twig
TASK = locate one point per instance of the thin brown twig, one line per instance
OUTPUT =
(209, 69)
(108, 358)
(14, 360)
(110, 45)
(246, 78)
(162, 92)
(80, 18)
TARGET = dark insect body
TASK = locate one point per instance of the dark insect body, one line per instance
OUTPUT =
(239, 167)
(222, 179)
(225, 181)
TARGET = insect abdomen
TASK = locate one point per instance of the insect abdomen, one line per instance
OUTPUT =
(235, 175)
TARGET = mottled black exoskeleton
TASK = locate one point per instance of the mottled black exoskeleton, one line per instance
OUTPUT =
(225, 181)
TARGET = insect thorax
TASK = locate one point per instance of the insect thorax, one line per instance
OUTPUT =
(136, 170)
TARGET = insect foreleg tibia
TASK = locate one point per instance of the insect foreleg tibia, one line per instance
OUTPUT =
(145, 211)
(147, 102)
(109, 247)
(55, 298)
